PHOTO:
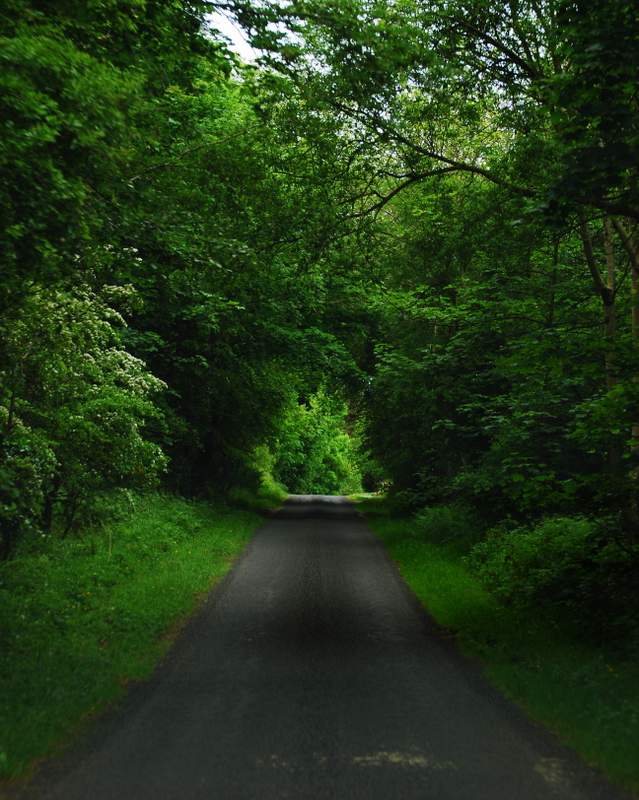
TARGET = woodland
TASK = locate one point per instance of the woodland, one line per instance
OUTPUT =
(396, 252)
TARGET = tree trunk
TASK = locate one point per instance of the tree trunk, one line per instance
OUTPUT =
(70, 512)
(550, 316)
(607, 295)
(632, 248)
(49, 502)
(611, 316)
(631, 512)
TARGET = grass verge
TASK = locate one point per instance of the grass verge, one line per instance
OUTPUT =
(81, 617)
(583, 691)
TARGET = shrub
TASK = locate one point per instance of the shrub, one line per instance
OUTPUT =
(313, 452)
(445, 524)
(532, 564)
(575, 564)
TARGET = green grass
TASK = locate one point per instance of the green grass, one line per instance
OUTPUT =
(81, 617)
(584, 692)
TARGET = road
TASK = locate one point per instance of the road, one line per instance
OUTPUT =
(312, 673)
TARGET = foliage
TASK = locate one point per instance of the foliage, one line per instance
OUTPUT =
(313, 452)
(452, 525)
(563, 563)
(260, 492)
(114, 120)
(490, 383)
(74, 409)
(495, 181)
(64, 140)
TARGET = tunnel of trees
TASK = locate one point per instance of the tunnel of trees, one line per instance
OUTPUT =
(398, 250)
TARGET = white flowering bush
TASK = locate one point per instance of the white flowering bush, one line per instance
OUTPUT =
(74, 409)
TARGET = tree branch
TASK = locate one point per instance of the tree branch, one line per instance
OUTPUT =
(456, 166)
(627, 243)
(527, 68)
(187, 152)
(385, 199)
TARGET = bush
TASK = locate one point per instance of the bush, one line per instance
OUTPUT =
(446, 524)
(575, 564)
(26, 463)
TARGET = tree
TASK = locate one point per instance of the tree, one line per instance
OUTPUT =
(75, 409)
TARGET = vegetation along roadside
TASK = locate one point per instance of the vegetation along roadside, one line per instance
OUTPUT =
(581, 685)
(390, 246)
(82, 616)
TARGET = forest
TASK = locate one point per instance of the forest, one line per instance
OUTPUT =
(395, 253)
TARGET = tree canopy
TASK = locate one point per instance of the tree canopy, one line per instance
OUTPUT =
(402, 246)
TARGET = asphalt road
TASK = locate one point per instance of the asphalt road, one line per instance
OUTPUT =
(312, 673)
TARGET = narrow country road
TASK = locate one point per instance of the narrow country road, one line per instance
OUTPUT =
(312, 673)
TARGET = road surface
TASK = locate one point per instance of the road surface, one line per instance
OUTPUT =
(312, 673)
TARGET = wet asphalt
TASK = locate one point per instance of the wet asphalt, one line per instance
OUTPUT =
(311, 672)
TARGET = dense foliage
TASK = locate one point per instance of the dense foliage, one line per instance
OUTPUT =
(496, 199)
(428, 210)
(313, 452)
(164, 241)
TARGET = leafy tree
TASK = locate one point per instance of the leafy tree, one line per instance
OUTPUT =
(75, 408)
(313, 452)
